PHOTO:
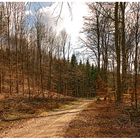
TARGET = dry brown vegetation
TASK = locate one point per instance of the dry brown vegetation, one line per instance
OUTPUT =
(104, 119)
(16, 109)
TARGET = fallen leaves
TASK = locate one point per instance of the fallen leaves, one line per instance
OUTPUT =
(103, 120)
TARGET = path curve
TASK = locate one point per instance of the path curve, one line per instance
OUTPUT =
(52, 125)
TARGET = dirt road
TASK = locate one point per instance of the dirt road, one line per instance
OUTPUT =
(52, 125)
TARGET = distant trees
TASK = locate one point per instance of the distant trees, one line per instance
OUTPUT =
(36, 58)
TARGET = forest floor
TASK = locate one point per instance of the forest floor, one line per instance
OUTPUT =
(49, 124)
(79, 118)
(15, 110)
(104, 120)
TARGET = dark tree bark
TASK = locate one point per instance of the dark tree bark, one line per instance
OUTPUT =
(118, 92)
(40, 58)
(124, 65)
(98, 39)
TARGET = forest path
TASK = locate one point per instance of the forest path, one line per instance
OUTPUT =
(52, 125)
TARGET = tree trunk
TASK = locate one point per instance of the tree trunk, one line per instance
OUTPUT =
(98, 40)
(136, 60)
(122, 6)
(118, 92)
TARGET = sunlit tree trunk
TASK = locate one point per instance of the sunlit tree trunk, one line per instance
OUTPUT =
(8, 8)
(28, 72)
(136, 57)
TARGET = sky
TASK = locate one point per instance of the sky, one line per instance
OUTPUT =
(70, 20)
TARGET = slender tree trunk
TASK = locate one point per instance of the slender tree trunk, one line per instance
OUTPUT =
(60, 77)
(40, 67)
(40, 57)
(28, 72)
(10, 71)
(98, 41)
(1, 52)
(22, 65)
(16, 44)
(1, 69)
(34, 70)
(50, 71)
(122, 6)
(68, 51)
(135, 83)
(136, 61)
(117, 52)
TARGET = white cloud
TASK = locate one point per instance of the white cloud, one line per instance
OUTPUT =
(74, 26)
(28, 12)
(79, 9)
(71, 22)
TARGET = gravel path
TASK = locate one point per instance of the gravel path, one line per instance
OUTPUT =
(52, 125)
